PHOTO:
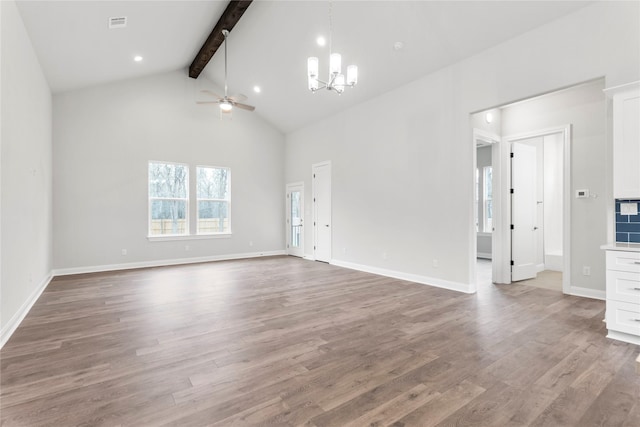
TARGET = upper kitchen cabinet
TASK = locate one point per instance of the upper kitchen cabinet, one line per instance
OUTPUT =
(626, 140)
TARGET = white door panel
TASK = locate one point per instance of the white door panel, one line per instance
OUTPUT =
(523, 212)
(322, 211)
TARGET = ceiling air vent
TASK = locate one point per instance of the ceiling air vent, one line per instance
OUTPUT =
(117, 22)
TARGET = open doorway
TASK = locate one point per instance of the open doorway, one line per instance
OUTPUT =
(549, 123)
(487, 145)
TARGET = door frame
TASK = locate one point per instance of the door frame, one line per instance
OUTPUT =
(505, 192)
(315, 209)
(288, 190)
(488, 138)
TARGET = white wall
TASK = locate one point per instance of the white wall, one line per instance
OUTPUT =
(26, 172)
(104, 137)
(553, 196)
(402, 175)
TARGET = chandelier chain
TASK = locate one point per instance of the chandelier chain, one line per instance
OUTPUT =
(330, 26)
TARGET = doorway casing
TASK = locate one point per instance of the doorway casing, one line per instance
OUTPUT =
(502, 239)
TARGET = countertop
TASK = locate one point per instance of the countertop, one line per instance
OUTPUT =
(629, 247)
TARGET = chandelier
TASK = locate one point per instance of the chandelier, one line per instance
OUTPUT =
(336, 80)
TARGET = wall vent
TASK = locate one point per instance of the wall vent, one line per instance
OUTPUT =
(117, 22)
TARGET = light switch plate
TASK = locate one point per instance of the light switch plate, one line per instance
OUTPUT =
(628, 209)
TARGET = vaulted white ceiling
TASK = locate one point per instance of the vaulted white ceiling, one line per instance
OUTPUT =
(270, 44)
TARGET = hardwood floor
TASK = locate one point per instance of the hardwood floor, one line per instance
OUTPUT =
(281, 341)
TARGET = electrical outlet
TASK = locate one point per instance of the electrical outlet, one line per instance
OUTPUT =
(384, 255)
(187, 248)
(344, 250)
(435, 263)
(124, 252)
(250, 242)
(586, 271)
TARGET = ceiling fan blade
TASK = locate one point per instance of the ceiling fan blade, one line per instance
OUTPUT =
(238, 97)
(244, 106)
(207, 102)
(212, 94)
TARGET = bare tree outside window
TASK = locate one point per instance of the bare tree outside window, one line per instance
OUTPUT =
(168, 198)
(214, 198)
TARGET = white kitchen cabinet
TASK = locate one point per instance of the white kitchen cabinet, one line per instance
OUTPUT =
(623, 293)
(626, 140)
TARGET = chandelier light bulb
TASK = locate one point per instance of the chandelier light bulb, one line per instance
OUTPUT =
(339, 83)
(335, 61)
(312, 67)
(352, 75)
(313, 84)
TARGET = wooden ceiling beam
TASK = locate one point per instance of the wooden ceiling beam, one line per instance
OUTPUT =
(227, 21)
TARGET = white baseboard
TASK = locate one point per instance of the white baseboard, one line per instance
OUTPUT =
(587, 293)
(621, 336)
(309, 257)
(483, 255)
(10, 327)
(161, 263)
(553, 262)
(424, 280)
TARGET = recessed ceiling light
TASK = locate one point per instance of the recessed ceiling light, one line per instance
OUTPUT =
(398, 46)
(321, 41)
(137, 58)
(257, 89)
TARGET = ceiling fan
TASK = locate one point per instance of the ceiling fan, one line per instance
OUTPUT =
(227, 102)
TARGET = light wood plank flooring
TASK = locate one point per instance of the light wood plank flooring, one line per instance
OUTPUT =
(282, 342)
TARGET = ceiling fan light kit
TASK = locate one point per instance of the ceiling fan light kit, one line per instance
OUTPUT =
(227, 102)
(336, 81)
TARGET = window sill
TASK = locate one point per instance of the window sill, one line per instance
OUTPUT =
(483, 234)
(189, 237)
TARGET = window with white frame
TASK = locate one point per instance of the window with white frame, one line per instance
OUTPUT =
(213, 194)
(487, 172)
(477, 196)
(168, 199)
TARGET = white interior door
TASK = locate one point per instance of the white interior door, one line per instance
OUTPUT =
(322, 211)
(295, 215)
(523, 212)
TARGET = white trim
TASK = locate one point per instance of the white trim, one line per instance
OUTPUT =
(162, 263)
(309, 257)
(621, 336)
(484, 255)
(171, 238)
(10, 327)
(424, 280)
(610, 91)
(586, 292)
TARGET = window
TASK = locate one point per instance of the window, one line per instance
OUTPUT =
(488, 199)
(477, 196)
(168, 199)
(213, 199)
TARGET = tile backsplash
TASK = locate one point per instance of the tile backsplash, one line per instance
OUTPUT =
(627, 226)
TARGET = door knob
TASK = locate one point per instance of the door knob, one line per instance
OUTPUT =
(326, 225)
